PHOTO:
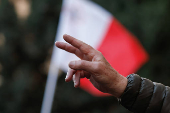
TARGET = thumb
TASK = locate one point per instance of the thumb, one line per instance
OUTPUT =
(88, 66)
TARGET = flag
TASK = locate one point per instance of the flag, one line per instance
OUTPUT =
(89, 22)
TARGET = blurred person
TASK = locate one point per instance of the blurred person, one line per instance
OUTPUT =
(137, 94)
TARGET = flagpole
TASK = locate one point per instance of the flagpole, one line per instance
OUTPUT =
(50, 89)
(52, 76)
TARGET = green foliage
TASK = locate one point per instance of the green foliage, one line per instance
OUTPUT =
(27, 49)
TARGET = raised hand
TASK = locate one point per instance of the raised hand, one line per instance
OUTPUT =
(93, 66)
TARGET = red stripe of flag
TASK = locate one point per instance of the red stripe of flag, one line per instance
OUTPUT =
(122, 50)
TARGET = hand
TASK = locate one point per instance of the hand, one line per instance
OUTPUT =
(93, 66)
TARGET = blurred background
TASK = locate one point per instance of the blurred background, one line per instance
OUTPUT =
(27, 33)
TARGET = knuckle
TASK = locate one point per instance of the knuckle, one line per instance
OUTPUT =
(100, 53)
(98, 67)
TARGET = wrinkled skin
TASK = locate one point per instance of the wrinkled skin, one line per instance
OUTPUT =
(93, 66)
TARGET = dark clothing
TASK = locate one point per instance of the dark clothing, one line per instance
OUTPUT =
(144, 96)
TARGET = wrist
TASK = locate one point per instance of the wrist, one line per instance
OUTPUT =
(119, 86)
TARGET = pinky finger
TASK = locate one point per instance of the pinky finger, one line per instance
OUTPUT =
(76, 79)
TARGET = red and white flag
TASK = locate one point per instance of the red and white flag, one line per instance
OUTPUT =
(92, 24)
(95, 26)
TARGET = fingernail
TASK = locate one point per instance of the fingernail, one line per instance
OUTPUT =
(74, 84)
(66, 76)
(72, 63)
(56, 43)
(66, 34)
(74, 80)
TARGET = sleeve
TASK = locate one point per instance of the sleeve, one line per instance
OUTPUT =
(144, 96)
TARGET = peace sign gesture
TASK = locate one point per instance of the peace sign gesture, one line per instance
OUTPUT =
(93, 66)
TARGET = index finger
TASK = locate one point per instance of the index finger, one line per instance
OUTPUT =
(83, 47)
